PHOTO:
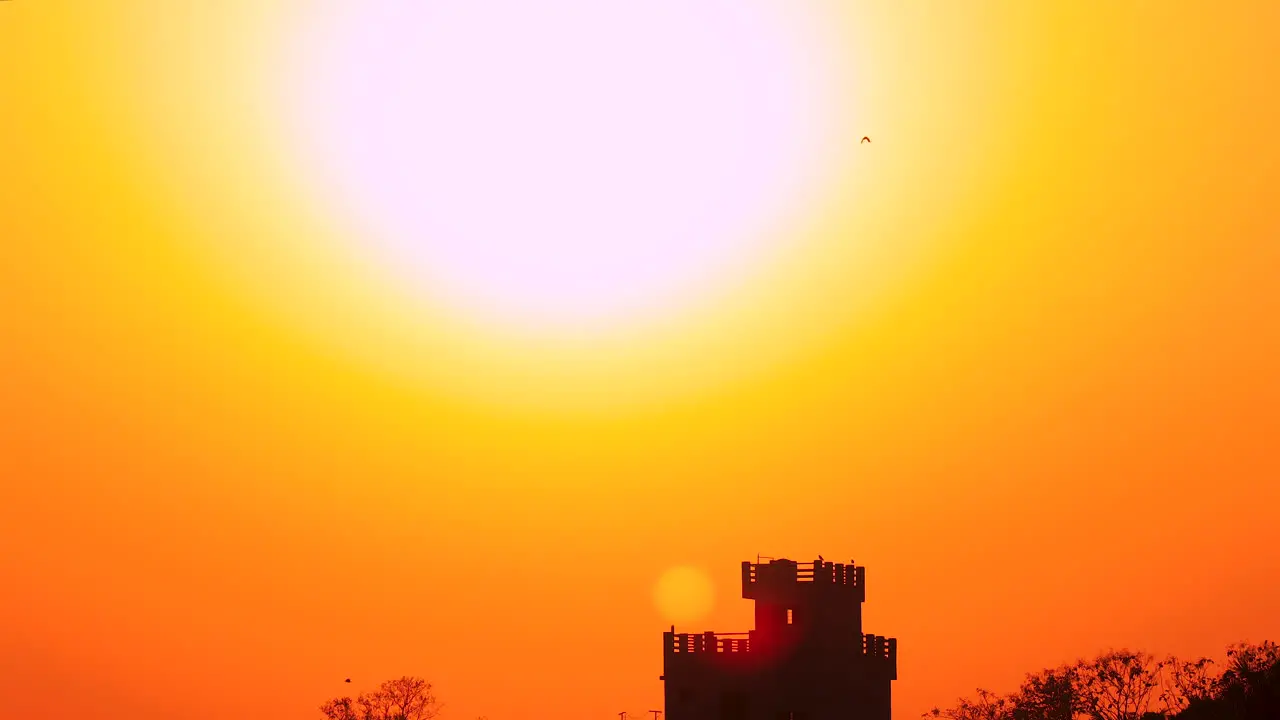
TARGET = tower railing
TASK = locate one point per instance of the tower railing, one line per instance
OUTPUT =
(879, 646)
(708, 642)
(875, 647)
(818, 571)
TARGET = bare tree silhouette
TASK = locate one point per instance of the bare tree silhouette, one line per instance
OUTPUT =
(340, 709)
(1118, 685)
(1184, 682)
(1049, 695)
(987, 706)
(405, 698)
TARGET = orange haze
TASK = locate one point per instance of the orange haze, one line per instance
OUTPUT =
(1044, 414)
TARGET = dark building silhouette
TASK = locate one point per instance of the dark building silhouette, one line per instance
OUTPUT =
(807, 659)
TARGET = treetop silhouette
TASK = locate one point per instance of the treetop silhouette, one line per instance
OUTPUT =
(1129, 685)
(405, 698)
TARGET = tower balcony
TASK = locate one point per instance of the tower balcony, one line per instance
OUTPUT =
(747, 648)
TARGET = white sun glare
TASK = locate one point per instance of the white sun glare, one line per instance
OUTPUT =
(566, 162)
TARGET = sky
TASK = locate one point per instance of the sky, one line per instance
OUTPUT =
(483, 341)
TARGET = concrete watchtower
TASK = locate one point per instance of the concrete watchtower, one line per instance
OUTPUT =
(806, 659)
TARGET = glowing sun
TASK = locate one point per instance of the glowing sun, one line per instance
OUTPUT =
(684, 594)
(565, 162)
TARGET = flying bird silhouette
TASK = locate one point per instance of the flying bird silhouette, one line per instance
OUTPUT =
(865, 139)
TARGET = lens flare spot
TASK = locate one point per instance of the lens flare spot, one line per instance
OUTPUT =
(684, 594)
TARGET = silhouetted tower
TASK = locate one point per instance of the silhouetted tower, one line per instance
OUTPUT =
(807, 658)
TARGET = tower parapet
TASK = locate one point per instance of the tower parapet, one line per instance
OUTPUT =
(780, 577)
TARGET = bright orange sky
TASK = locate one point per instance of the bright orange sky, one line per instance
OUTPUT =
(1018, 356)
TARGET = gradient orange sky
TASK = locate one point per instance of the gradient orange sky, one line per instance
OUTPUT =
(1021, 358)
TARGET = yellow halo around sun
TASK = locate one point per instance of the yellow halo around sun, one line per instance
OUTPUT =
(556, 207)
(684, 594)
